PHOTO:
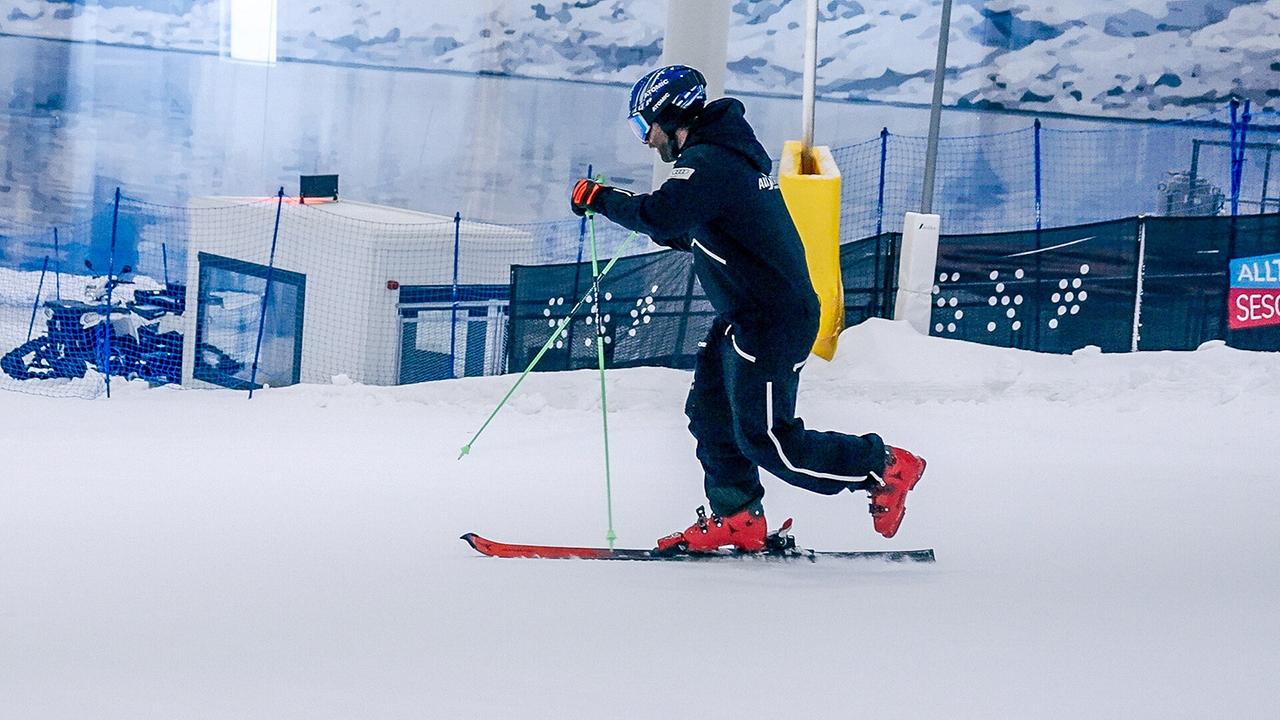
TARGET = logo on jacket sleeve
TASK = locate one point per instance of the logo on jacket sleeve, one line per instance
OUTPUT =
(767, 183)
(681, 173)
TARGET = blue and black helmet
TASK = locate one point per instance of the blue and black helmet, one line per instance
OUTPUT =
(665, 97)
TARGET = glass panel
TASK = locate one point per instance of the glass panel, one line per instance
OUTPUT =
(230, 306)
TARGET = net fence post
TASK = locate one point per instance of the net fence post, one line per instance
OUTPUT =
(266, 294)
(57, 266)
(453, 309)
(35, 306)
(1235, 189)
(884, 148)
(111, 269)
(1239, 131)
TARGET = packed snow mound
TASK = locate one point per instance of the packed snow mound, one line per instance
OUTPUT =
(883, 360)
(877, 361)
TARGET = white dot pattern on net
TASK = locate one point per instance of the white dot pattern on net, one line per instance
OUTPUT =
(1070, 300)
(1003, 298)
(945, 301)
(1007, 297)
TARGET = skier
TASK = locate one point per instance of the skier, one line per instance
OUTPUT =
(721, 204)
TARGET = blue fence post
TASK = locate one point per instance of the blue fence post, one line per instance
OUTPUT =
(1237, 153)
(884, 147)
(266, 294)
(111, 270)
(57, 265)
(164, 258)
(1235, 158)
(453, 313)
(1037, 128)
(36, 305)
(1244, 145)
(882, 274)
(1234, 105)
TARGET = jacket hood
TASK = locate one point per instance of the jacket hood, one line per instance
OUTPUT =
(722, 123)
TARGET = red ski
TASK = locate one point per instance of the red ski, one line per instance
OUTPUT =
(781, 546)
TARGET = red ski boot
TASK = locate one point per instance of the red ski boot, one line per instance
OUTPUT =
(902, 471)
(743, 531)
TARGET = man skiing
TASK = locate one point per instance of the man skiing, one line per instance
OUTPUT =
(721, 204)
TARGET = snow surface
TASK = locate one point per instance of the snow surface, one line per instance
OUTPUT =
(1105, 528)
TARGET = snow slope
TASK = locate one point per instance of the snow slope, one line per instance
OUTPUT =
(1105, 528)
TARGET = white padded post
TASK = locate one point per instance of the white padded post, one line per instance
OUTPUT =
(917, 267)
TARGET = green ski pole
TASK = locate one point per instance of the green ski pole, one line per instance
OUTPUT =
(610, 536)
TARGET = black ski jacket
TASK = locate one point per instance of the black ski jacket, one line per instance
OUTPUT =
(721, 204)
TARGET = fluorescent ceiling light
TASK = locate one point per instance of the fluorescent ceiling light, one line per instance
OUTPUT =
(252, 28)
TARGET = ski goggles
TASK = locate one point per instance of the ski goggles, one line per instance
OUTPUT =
(640, 127)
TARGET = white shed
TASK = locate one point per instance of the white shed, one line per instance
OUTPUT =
(366, 291)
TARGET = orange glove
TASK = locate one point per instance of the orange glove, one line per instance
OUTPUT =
(584, 193)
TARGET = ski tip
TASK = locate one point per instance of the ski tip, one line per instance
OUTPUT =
(471, 540)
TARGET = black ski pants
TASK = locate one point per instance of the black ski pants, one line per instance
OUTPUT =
(741, 411)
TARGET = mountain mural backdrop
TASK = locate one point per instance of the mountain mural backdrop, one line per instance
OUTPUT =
(1138, 58)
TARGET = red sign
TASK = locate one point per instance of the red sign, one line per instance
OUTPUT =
(1254, 298)
(1253, 307)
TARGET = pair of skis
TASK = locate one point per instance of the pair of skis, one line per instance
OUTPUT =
(780, 545)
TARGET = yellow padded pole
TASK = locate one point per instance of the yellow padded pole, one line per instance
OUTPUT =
(814, 203)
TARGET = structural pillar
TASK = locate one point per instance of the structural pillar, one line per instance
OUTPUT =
(698, 36)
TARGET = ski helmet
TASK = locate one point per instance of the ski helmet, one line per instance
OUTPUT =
(664, 98)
